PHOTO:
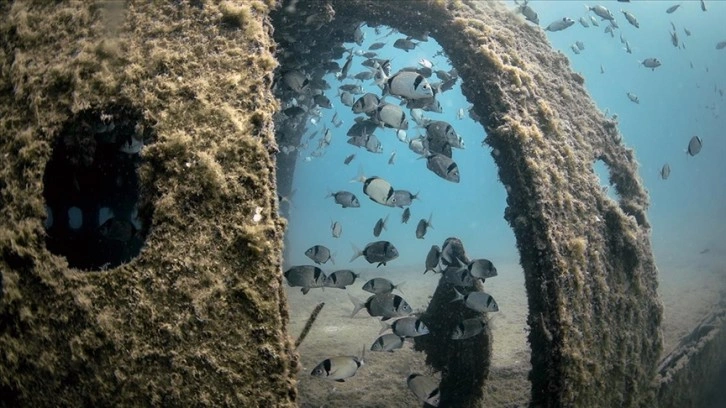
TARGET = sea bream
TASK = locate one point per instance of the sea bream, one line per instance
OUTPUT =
(341, 278)
(379, 252)
(346, 199)
(477, 301)
(384, 305)
(336, 229)
(422, 227)
(319, 254)
(560, 25)
(306, 277)
(443, 167)
(665, 171)
(601, 12)
(388, 342)
(671, 9)
(406, 327)
(366, 103)
(631, 19)
(404, 198)
(651, 63)
(338, 368)
(633, 97)
(405, 216)
(432, 259)
(468, 328)
(392, 116)
(409, 85)
(378, 190)
(425, 388)
(380, 226)
(694, 146)
(381, 285)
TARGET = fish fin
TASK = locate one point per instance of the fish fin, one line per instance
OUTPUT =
(428, 223)
(356, 252)
(305, 291)
(385, 220)
(399, 287)
(457, 296)
(380, 263)
(384, 326)
(361, 177)
(332, 258)
(384, 318)
(357, 304)
(341, 380)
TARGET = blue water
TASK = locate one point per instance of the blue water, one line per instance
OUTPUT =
(676, 102)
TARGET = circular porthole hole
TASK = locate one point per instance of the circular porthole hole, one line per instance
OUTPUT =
(94, 215)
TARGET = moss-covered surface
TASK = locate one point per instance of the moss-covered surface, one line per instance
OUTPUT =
(199, 317)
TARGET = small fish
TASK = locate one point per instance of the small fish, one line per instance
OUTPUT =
(432, 259)
(391, 160)
(627, 47)
(345, 199)
(378, 190)
(405, 216)
(529, 14)
(341, 278)
(631, 19)
(366, 103)
(458, 277)
(422, 227)
(425, 388)
(349, 159)
(338, 368)
(694, 145)
(319, 254)
(665, 171)
(381, 285)
(406, 327)
(378, 251)
(651, 63)
(721, 45)
(305, 276)
(404, 198)
(385, 305)
(594, 21)
(633, 97)
(296, 80)
(602, 69)
(404, 44)
(377, 46)
(468, 328)
(703, 5)
(574, 49)
(346, 67)
(560, 25)
(118, 229)
(671, 9)
(322, 101)
(480, 268)
(425, 63)
(406, 84)
(674, 39)
(392, 116)
(477, 301)
(584, 22)
(601, 12)
(580, 45)
(380, 225)
(336, 229)
(346, 98)
(388, 342)
(687, 31)
(359, 35)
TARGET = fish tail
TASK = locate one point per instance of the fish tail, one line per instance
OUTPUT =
(457, 296)
(399, 286)
(384, 326)
(385, 220)
(356, 253)
(332, 258)
(357, 305)
(429, 221)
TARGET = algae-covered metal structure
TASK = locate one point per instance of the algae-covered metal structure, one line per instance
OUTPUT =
(199, 317)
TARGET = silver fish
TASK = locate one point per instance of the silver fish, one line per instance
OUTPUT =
(305, 276)
(338, 368)
(345, 199)
(468, 328)
(377, 46)
(347, 98)
(381, 285)
(404, 198)
(651, 63)
(594, 22)
(336, 229)
(529, 14)
(404, 44)
(409, 85)
(385, 305)
(426, 389)
(366, 103)
(380, 226)
(378, 190)
(665, 171)
(602, 12)
(388, 342)
(296, 80)
(406, 215)
(378, 251)
(694, 145)
(584, 22)
(432, 259)
(391, 116)
(481, 268)
(341, 278)
(458, 277)
(477, 301)
(580, 45)
(406, 327)
(346, 67)
(631, 19)
(443, 167)
(671, 9)
(560, 25)
(633, 97)
(422, 227)
(319, 254)
(419, 145)
(359, 35)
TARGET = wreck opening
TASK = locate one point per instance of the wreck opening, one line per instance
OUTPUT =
(326, 144)
(91, 189)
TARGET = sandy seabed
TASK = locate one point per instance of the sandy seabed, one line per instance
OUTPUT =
(381, 381)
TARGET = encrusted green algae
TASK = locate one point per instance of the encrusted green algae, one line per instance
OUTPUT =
(591, 282)
(199, 318)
